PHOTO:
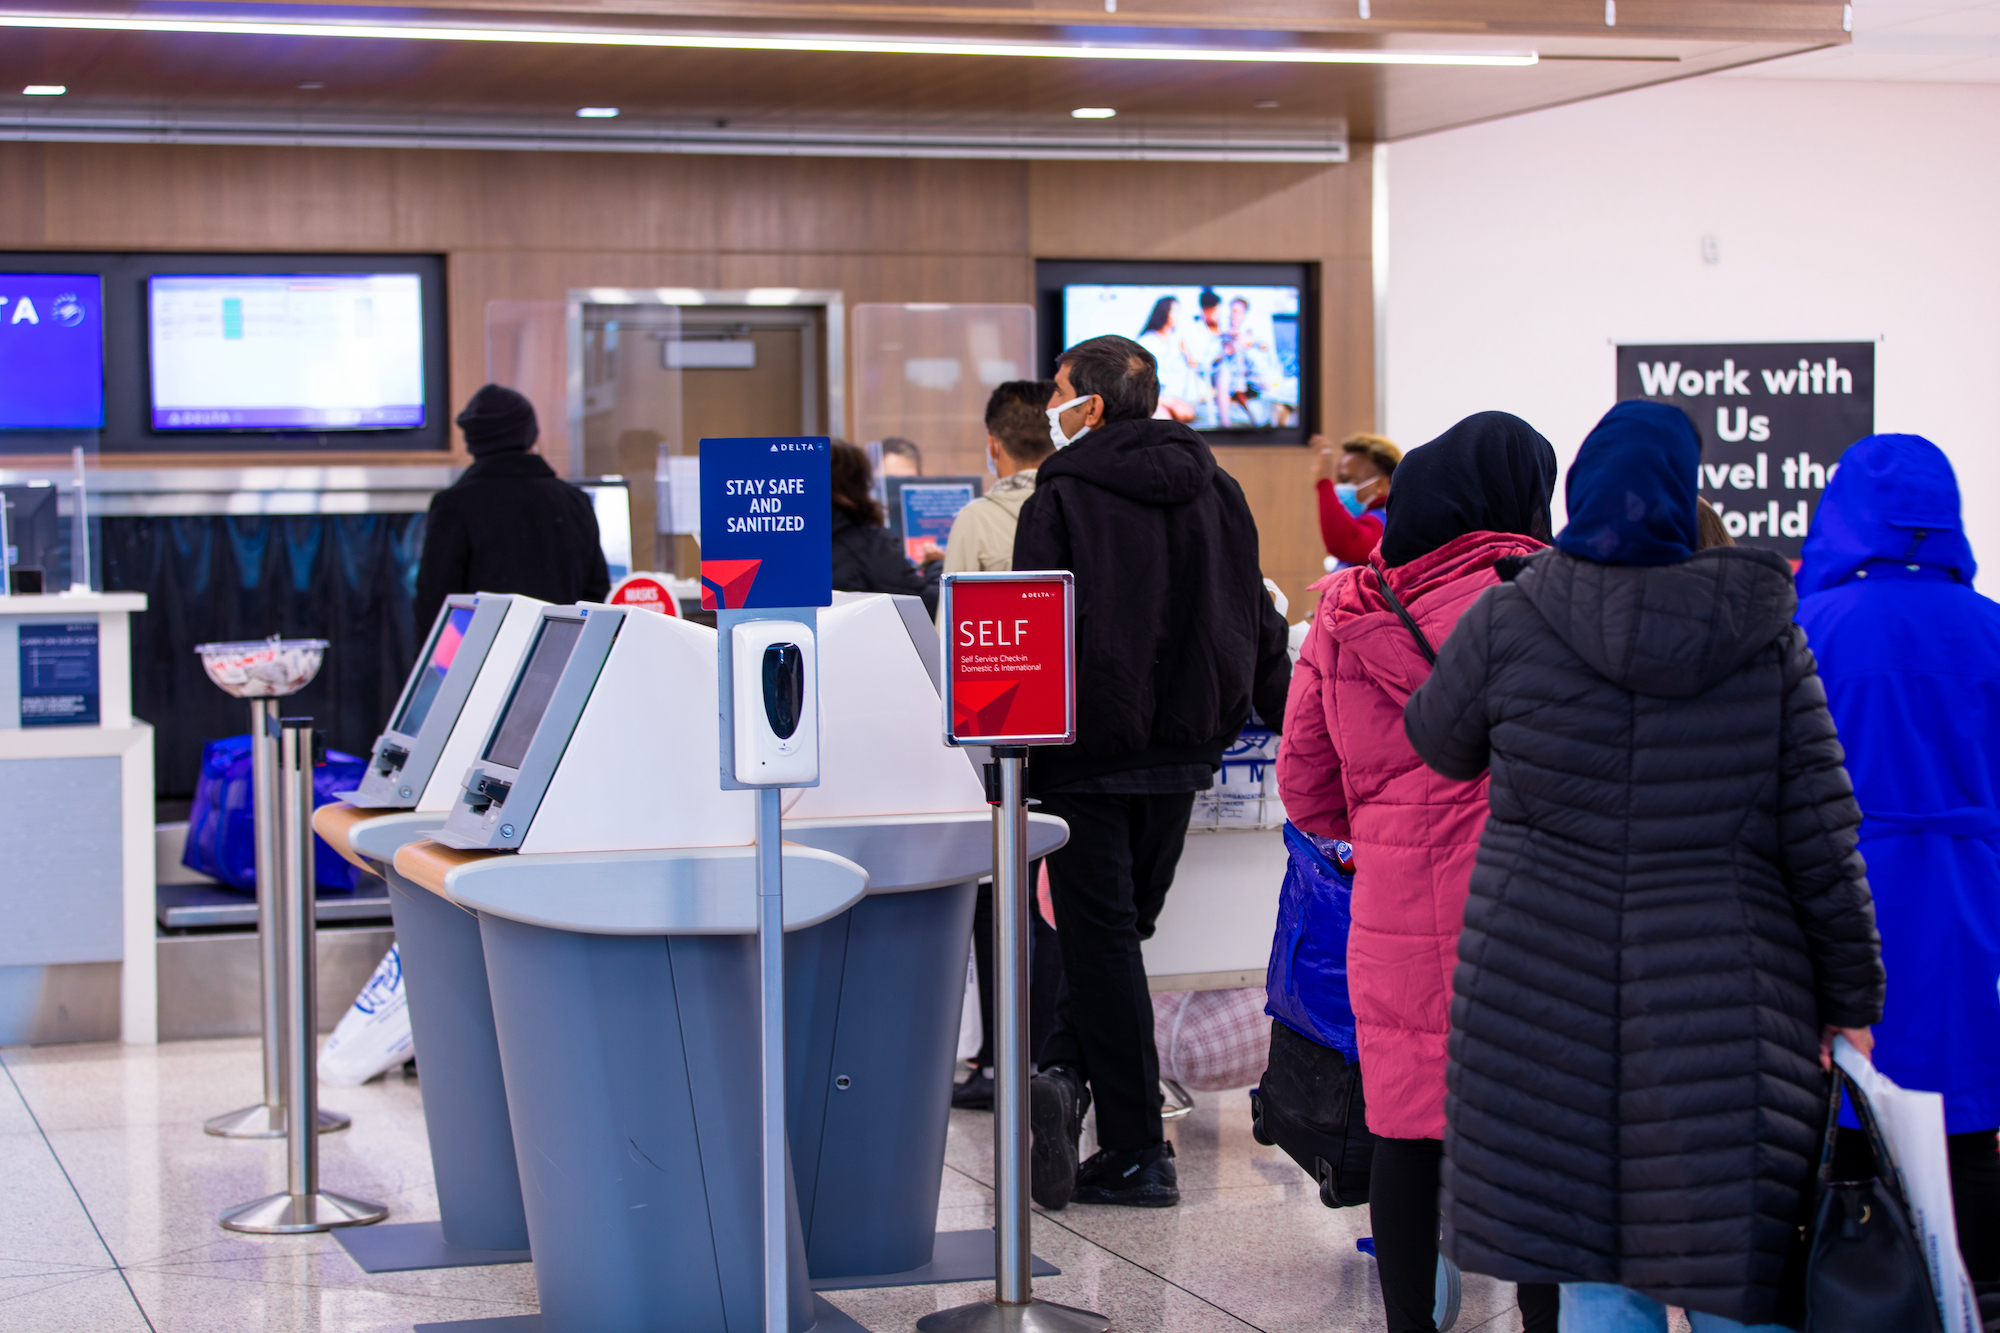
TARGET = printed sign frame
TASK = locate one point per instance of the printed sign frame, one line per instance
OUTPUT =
(954, 666)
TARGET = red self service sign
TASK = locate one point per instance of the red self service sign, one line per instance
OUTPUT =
(1009, 654)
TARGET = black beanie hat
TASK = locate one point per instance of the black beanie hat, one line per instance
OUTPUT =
(498, 421)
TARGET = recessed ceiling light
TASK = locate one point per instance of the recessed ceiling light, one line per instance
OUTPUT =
(1093, 113)
(597, 112)
(1265, 106)
(312, 85)
(721, 41)
(45, 90)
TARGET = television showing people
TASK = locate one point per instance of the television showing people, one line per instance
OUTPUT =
(1228, 355)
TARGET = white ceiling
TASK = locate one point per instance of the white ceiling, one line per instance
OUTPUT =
(1904, 41)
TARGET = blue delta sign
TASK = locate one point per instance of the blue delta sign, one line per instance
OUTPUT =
(766, 522)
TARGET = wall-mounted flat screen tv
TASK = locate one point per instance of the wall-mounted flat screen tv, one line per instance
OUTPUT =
(1234, 343)
(51, 351)
(296, 351)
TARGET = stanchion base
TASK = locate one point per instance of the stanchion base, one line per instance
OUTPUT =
(993, 1317)
(265, 1122)
(295, 1214)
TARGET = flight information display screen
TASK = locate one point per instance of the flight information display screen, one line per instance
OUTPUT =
(51, 351)
(436, 666)
(533, 692)
(301, 351)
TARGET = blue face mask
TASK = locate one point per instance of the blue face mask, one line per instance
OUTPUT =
(1350, 498)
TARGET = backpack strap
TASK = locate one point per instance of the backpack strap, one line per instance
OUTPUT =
(1423, 644)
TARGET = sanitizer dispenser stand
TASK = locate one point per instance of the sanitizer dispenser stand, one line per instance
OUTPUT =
(769, 696)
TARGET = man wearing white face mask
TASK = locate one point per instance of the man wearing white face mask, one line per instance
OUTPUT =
(1017, 440)
(1175, 641)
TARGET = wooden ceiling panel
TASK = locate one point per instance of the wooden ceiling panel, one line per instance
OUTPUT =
(1655, 40)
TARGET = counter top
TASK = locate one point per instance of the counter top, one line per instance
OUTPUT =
(687, 891)
(70, 603)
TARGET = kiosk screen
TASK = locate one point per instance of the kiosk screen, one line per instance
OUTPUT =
(430, 676)
(531, 697)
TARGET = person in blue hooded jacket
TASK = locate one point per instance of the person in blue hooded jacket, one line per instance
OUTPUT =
(1910, 656)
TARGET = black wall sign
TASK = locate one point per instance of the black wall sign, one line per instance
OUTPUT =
(1774, 420)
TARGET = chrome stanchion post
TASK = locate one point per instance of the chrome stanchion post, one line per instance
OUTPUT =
(303, 1206)
(265, 1120)
(1013, 1308)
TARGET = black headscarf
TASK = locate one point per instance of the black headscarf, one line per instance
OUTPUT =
(498, 421)
(1492, 472)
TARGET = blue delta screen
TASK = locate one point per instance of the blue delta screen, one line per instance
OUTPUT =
(51, 351)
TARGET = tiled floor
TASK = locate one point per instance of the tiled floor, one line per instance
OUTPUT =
(109, 1192)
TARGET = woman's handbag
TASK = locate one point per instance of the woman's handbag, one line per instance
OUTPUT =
(1864, 1267)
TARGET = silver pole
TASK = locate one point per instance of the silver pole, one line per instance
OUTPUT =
(771, 1051)
(1013, 1308)
(303, 1206)
(295, 854)
(267, 1119)
(1011, 1259)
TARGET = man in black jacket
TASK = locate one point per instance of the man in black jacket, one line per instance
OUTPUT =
(509, 523)
(1176, 640)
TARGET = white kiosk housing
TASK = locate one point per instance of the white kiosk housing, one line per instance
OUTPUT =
(620, 948)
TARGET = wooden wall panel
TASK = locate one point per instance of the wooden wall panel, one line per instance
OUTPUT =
(530, 226)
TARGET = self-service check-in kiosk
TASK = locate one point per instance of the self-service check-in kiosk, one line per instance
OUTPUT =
(440, 720)
(623, 977)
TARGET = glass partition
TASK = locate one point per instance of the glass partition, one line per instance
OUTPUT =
(625, 411)
(922, 374)
(50, 531)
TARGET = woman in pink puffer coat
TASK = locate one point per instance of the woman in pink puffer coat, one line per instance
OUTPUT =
(1474, 496)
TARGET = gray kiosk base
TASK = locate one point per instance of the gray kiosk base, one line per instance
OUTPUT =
(958, 1256)
(409, 1246)
(827, 1317)
(471, 1137)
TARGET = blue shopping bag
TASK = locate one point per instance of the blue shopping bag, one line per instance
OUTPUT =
(222, 830)
(1305, 986)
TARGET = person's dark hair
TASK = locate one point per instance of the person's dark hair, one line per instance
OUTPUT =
(1209, 300)
(1017, 416)
(1492, 472)
(1161, 309)
(853, 481)
(907, 448)
(1708, 527)
(1117, 370)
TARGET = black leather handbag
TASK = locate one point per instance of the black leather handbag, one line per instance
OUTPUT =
(1864, 1268)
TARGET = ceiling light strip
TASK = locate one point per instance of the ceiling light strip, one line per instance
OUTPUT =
(742, 42)
(765, 143)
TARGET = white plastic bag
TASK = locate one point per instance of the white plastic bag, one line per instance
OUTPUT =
(1912, 1123)
(374, 1034)
(971, 1026)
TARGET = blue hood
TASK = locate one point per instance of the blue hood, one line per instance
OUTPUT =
(1894, 499)
(1631, 490)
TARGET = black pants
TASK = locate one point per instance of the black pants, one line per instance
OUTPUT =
(1975, 1192)
(1403, 1206)
(1044, 971)
(1108, 884)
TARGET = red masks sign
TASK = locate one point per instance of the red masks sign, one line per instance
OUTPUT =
(1009, 658)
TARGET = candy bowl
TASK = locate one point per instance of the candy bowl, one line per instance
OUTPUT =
(263, 668)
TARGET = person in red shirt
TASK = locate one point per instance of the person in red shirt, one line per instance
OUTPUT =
(1353, 485)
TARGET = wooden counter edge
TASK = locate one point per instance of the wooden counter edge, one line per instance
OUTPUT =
(335, 821)
(426, 863)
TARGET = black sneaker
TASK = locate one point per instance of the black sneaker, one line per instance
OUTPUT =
(1136, 1178)
(975, 1094)
(1057, 1100)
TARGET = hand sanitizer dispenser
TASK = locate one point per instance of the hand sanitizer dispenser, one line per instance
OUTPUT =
(776, 702)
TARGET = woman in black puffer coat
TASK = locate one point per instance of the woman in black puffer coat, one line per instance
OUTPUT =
(866, 555)
(1667, 918)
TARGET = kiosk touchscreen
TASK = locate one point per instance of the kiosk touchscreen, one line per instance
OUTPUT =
(446, 703)
(597, 748)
